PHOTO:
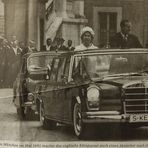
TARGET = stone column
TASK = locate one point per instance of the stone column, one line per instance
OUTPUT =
(32, 20)
(9, 21)
(60, 8)
(79, 8)
(20, 20)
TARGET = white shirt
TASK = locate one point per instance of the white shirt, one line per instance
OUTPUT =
(15, 50)
(125, 36)
(81, 47)
(48, 48)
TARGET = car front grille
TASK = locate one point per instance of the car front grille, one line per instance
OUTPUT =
(135, 99)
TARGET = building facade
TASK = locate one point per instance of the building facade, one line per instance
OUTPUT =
(65, 18)
(39, 19)
(105, 16)
(25, 20)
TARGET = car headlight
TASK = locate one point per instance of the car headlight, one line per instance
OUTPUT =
(30, 97)
(93, 95)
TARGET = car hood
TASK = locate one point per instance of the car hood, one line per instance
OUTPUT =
(111, 87)
(124, 81)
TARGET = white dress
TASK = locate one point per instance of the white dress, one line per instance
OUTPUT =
(81, 47)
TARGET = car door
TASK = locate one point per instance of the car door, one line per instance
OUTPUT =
(65, 90)
(51, 92)
(59, 92)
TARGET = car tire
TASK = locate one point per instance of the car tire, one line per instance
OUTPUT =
(79, 126)
(45, 123)
(20, 113)
(30, 115)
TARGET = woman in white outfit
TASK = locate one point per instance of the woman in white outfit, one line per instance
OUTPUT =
(87, 36)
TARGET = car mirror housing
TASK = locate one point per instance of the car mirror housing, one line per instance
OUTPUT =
(64, 79)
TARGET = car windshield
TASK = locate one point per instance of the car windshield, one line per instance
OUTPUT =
(103, 65)
(39, 62)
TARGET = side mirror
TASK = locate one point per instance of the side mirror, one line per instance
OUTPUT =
(48, 70)
(64, 79)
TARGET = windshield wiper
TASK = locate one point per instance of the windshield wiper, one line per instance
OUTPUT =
(124, 74)
(144, 71)
(86, 71)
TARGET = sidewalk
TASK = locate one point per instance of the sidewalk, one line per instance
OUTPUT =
(6, 93)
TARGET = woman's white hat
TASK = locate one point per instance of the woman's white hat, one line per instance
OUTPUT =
(87, 29)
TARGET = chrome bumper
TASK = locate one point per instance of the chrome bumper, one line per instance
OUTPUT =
(30, 105)
(104, 116)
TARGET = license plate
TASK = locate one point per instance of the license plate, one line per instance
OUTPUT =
(139, 118)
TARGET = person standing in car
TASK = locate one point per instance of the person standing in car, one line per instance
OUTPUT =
(124, 39)
(59, 45)
(87, 36)
(69, 46)
(48, 46)
(32, 46)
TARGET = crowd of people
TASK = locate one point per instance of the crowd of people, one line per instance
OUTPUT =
(10, 56)
(58, 45)
(12, 51)
(121, 40)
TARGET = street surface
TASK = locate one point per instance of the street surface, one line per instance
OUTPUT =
(11, 128)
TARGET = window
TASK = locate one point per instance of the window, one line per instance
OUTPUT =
(108, 27)
(69, 7)
(63, 70)
(106, 22)
(60, 74)
(54, 71)
(66, 70)
(79, 69)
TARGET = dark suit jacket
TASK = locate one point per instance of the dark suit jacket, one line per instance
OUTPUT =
(70, 48)
(44, 48)
(61, 48)
(12, 65)
(119, 42)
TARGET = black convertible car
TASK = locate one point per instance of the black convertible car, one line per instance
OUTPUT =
(33, 71)
(96, 86)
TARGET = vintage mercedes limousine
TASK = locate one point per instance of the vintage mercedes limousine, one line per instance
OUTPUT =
(96, 86)
(34, 68)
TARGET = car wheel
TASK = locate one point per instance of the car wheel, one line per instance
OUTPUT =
(20, 112)
(30, 115)
(79, 126)
(46, 123)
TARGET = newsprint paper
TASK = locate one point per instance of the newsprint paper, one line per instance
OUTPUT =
(73, 74)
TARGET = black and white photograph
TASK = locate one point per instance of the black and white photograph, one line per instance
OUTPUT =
(73, 73)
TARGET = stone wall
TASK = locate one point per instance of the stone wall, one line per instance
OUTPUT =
(1, 18)
(16, 19)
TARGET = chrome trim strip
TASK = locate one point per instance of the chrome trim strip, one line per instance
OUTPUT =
(130, 100)
(71, 68)
(83, 53)
(135, 111)
(118, 117)
(128, 94)
(103, 113)
(136, 105)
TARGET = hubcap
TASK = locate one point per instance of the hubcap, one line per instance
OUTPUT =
(77, 119)
(41, 114)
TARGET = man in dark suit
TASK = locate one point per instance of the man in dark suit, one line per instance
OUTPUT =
(59, 45)
(124, 39)
(13, 57)
(69, 46)
(48, 46)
